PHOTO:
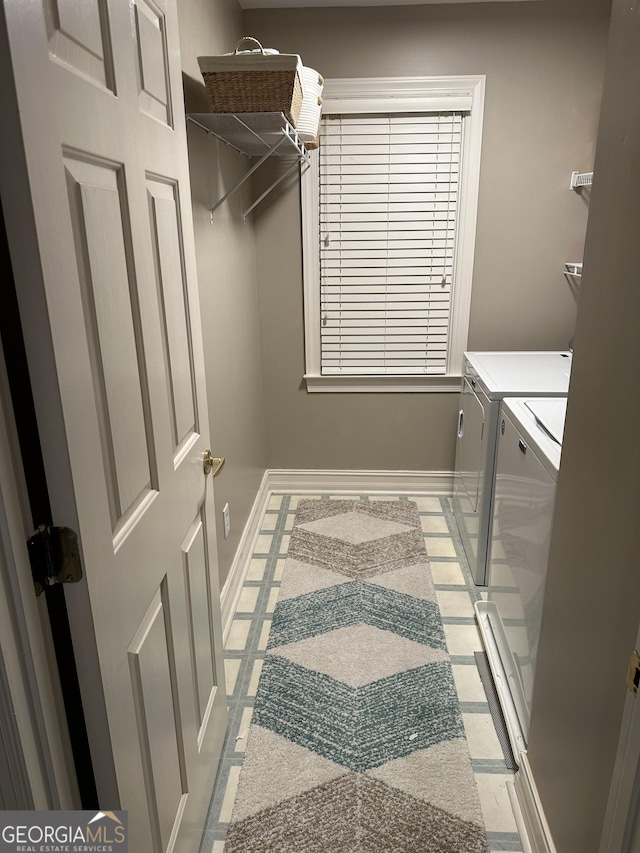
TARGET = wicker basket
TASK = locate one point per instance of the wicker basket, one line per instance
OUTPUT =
(253, 82)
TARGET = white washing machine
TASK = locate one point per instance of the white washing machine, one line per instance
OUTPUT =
(488, 377)
(527, 464)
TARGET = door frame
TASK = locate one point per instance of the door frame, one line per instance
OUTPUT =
(43, 759)
(37, 742)
(622, 817)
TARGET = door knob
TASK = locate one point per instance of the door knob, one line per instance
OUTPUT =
(212, 464)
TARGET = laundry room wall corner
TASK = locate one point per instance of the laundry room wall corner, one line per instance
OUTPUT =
(225, 255)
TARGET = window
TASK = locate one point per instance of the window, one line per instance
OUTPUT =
(389, 208)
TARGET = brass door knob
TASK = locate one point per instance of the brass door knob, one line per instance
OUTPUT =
(212, 464)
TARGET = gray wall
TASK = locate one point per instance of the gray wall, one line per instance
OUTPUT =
(225, 253)
(544, 65)
(592, 603)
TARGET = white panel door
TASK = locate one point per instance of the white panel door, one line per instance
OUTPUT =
(96, 195)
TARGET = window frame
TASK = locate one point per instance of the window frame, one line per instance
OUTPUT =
(385, 95)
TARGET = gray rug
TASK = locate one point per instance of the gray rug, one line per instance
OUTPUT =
(357, 743)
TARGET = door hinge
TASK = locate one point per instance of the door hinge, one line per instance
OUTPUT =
(54, 556)
(633, 676)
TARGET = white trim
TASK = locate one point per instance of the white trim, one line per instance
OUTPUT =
(536, 828)
(437, 483)
(466, 233)
(382, 384)
(310, 213)
(398, 94)
(519, 817)
(369, 95)
(238, 571)
(393, 104)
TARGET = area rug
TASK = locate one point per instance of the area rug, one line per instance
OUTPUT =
(357, 743)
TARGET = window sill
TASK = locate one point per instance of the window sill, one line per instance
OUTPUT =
(382, 384)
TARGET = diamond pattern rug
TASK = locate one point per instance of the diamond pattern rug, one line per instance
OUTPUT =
(357, 743)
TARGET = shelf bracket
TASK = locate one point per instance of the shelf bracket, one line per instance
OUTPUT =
(246, 177)
(272, 187)
(573, 269)
(580, 179)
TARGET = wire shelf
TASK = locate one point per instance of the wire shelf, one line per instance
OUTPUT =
(259, 135)
(253, 134)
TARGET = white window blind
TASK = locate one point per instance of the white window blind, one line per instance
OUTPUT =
(388, 188)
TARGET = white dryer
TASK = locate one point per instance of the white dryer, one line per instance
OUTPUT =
(488, 377)
(527, 465)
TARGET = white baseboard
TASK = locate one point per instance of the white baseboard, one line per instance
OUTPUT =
(534, 828)
(239, 567)
(437, 483)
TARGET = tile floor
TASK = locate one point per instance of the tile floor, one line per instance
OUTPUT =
(247, 641)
